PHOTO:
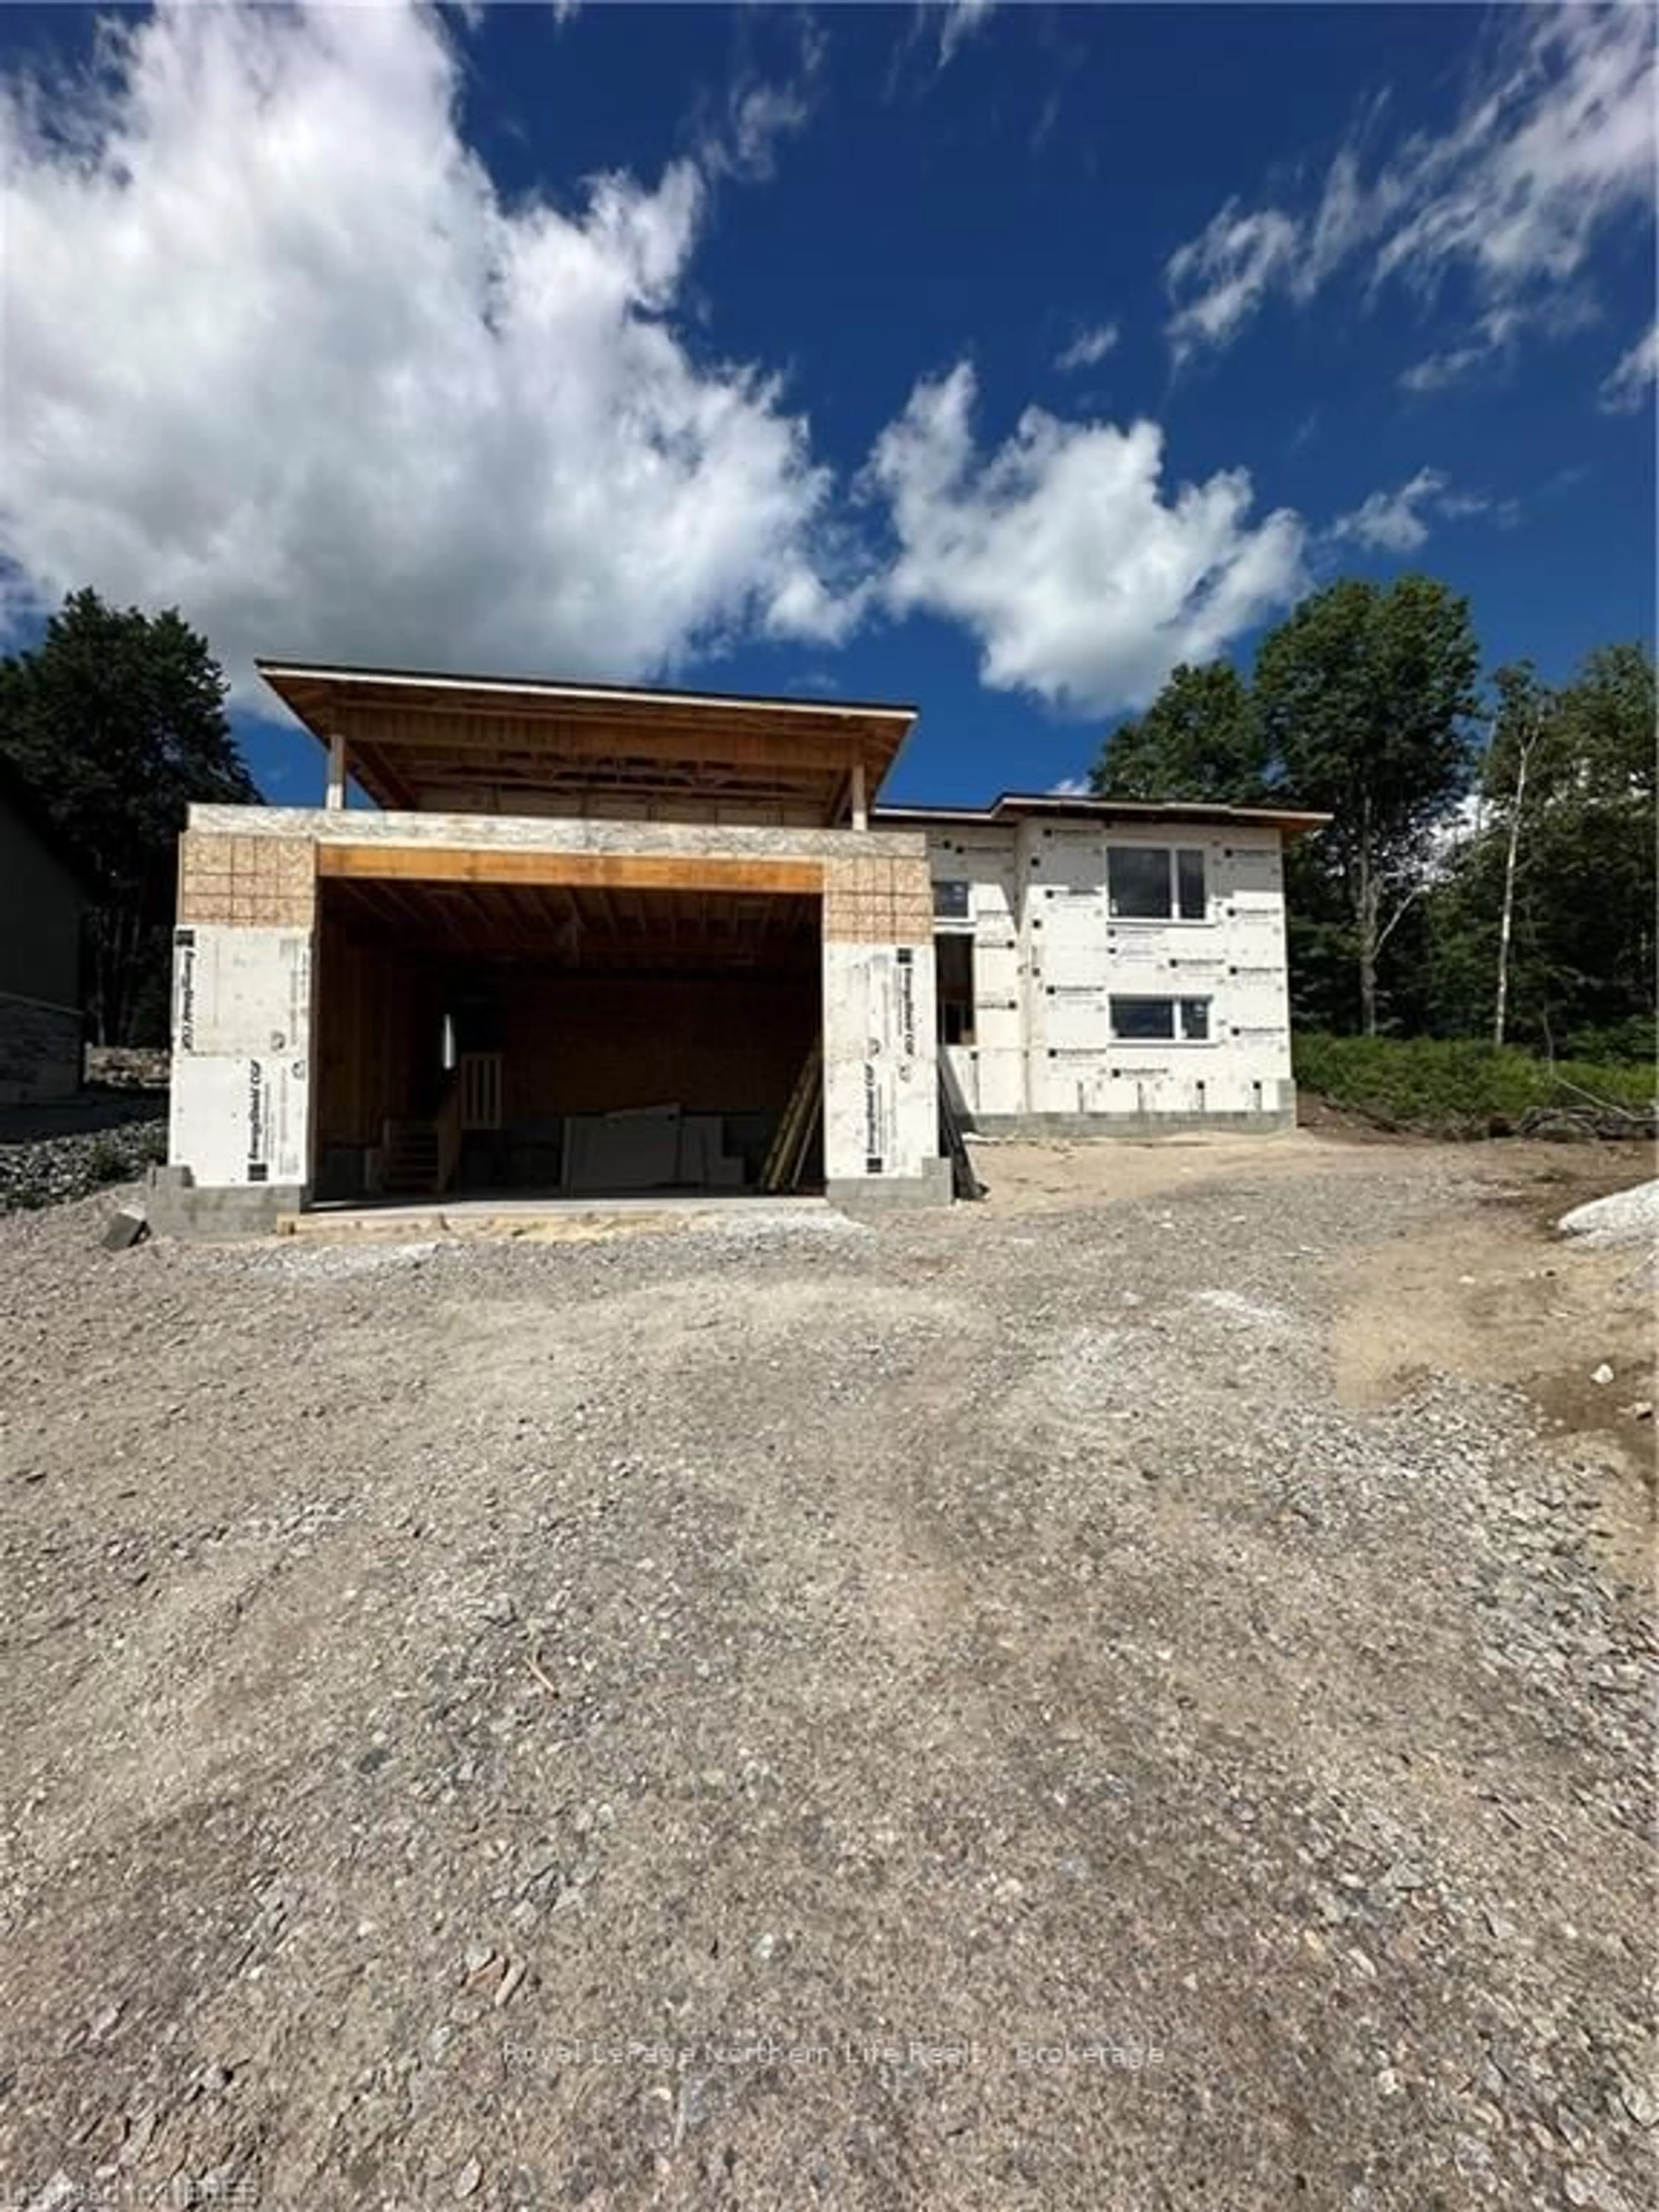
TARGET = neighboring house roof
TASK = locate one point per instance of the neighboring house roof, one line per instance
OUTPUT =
(21, 799)
(1026, 805)
(412, 737)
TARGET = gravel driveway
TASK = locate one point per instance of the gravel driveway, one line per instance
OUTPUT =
(1130, 1695)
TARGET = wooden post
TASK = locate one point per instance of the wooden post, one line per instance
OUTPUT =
(861, 809)
(337, 773)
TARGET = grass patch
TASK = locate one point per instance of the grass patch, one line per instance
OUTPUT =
(1460, 1088)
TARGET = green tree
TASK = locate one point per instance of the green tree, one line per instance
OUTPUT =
(1366, 699)
(117, 720)
(1200, 739)
(1583, 830)
(1542, 930)
(1517, 759)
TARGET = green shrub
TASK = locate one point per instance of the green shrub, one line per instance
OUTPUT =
(1636, 1039)
(1461, 1088)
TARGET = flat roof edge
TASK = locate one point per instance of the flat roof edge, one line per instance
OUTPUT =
(550, 687)
(1013, 805)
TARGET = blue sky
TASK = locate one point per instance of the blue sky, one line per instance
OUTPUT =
(992, 357)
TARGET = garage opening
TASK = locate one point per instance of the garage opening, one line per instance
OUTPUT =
(479, 1038)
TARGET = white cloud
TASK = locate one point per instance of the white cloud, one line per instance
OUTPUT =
(276, 350)
(1553, 144)
(762, 114)
(1089, 348)
(1081, 579)
(1440, 370)
(1630, 384)
(1221, 277)
(1398, 521)
(1389, 521)
(1071, 786)
(960, 18)
(761, 111)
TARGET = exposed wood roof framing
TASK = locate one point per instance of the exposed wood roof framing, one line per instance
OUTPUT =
(416, 741)
(581, 929)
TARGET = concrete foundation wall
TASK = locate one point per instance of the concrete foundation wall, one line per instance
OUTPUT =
(1049, 955)
(176, 1206)
(1271, 1121)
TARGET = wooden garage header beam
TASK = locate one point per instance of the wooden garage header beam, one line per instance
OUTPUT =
(620, 872)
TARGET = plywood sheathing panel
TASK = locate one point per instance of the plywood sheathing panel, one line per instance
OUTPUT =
(256, 881)
(877, 900)
(544, 833)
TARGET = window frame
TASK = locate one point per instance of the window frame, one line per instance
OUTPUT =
(946, 918)
(1177, 1002)
(1172, 857)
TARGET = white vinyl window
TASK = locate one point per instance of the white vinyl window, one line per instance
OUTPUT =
(1160, 1021)
(1156, 883)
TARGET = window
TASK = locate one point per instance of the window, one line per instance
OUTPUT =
(953, 958)
(950, 901)
(1189, 885)
(1150, 883)
(1167, 1021)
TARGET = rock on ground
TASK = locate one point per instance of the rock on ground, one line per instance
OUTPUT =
(1623, 1217)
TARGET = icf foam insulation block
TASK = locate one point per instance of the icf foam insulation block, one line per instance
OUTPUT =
(240, 1106)
(999, 1078)
(880, 1072)
(240, 1122)
(1067, 856)
(962, 1062)
(1049, 956)
(983, 859)
(240, 991)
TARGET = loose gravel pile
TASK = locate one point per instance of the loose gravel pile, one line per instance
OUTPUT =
(961, 1714)
(53, 1171)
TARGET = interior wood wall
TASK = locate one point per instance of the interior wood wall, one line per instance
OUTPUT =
(379, 1025)
(732, 1043)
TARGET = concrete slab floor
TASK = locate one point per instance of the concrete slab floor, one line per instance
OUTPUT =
(529, 1215)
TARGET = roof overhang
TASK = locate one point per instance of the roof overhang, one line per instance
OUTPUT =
(416, 740)
(1020, 805)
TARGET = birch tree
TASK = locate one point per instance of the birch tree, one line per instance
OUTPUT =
(1366, 698)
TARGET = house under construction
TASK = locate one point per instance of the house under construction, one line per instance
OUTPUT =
(574, 940)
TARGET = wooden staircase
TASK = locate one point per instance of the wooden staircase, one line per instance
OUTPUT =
(411, 1159)
(420, 1153)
